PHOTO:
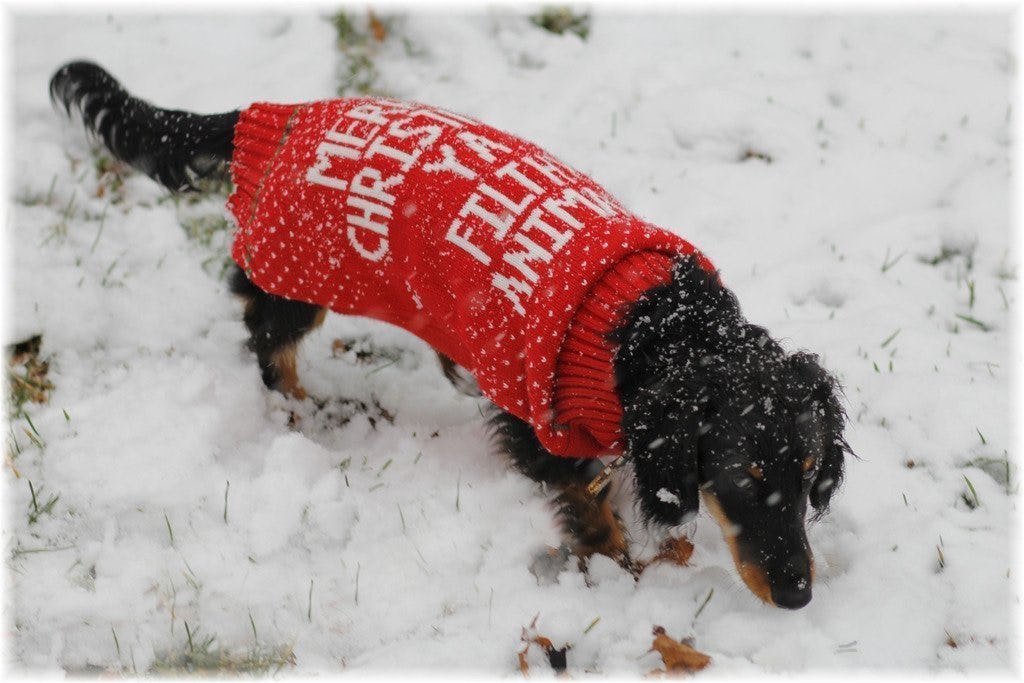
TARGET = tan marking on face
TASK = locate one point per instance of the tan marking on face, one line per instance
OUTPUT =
(751, 574)
(756, 581)
(808, 463)
(756, 472)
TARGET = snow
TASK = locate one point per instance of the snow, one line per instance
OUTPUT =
(377, 533)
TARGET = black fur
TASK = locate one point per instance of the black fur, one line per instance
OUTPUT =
(274, 324)
(517, 438)
(588, 520)
(709, 401)
(172, 147)
(714, 410)
(706, 396)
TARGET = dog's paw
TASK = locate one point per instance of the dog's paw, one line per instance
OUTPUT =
(593, 525)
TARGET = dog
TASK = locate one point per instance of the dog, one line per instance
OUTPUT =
(657, 364)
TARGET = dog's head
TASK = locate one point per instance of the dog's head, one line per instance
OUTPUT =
(715, 411)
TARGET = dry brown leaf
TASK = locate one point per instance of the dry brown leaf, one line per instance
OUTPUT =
(377, 27)
(543, 642)
(674, 550)
(556, 657)
(678, 657)
(27, 373)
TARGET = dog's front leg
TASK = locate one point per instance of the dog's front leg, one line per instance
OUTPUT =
(588, 519)
(277, 325)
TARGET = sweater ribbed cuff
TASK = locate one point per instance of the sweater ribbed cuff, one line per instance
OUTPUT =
(260, 132)
(584, 372)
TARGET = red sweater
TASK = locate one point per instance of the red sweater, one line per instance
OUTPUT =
(483, 245)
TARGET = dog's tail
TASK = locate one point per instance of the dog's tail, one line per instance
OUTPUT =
(175, 148)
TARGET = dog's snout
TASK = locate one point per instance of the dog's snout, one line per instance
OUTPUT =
(793, 589)
(792, 597)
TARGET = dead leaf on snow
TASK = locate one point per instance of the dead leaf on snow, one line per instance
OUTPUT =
(678, 657)
(377, 27)
(556, 656)
(27, 373)
(674, 550)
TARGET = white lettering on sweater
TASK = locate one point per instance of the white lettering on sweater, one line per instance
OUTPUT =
(459, 236)
(377, 186)
(428, 133)
(550, 168)
(370, 217)
(355, 135)
(520, 260)
(512, 288)
(369, 132)
(374, 113)
(525, 207)
(507, 210)
(446, 117)
(513, 204)
(558, 238)
(571, 199)
(346, 140)
(450, 162)
(483, 146)
(325, 152)
(511, 169)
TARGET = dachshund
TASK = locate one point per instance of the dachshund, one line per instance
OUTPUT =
(713, 410)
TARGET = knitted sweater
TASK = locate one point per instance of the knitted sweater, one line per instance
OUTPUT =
(483, 245)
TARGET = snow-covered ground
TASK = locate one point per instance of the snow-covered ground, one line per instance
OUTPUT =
(870, 222)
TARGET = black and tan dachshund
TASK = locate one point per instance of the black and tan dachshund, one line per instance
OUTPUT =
(714, 410)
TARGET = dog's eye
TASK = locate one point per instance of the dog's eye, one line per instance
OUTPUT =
(810, 468)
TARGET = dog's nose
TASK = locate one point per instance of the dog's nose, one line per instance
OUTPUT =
(791, 588)
(791, 597)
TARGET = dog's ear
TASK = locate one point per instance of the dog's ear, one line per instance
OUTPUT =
(823, 393)
(659, 379)
(684, 316)
(662, 445)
